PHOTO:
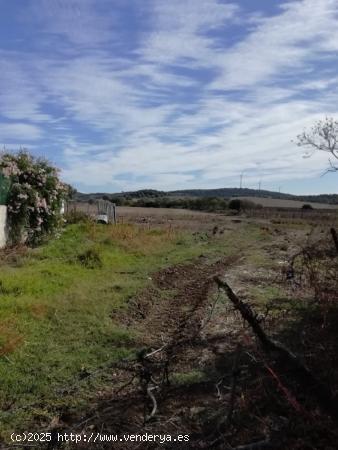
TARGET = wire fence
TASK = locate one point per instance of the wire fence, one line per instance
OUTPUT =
(322, 215)
(95, 209)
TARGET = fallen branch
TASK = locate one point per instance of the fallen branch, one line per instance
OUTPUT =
(153, 399)
(305, 379)
(125, 385)
(156, 351)
(235, 374)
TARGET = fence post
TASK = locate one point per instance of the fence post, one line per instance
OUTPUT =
(114, 213)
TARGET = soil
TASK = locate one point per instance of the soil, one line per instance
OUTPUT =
(209, 377)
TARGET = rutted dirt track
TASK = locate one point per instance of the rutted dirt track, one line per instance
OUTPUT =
(179, 317)
(174, 317)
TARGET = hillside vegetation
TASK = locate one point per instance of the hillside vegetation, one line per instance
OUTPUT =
(222, 193)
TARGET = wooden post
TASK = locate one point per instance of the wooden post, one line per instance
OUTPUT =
(114, 213)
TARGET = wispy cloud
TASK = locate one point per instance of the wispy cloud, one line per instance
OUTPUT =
(170, 94)
(84, 23)
(19, 132)
(282, 46)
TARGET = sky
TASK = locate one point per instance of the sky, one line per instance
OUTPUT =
(170, 94)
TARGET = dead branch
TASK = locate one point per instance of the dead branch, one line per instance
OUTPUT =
(156, 351)
(305, 379)
(234, 380)
(125, 385)
(209, 317)
(245, 311)
(217, 385)
(153, 399)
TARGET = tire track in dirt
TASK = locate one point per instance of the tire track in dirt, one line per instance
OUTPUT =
(170, 315)
(180, 316)
(169, 321)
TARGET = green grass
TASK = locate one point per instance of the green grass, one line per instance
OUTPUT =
(187, 378)
(265, 294)
(57, 310)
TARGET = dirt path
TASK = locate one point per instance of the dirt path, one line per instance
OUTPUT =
(194, 336)
(175, 317)
(187, 288)
(188, 334)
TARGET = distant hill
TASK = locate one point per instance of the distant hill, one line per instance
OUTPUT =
(226, 193)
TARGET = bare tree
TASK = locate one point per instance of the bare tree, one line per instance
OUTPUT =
(323, 135)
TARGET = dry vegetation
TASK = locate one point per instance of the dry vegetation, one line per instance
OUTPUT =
(281, 203)
(183, 360)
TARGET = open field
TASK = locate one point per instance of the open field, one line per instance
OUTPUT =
(280, 203)
(177, 218)
(78, 313)
(58, 304)
(163, 217)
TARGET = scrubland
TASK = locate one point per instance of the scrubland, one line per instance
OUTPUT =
(82, 315)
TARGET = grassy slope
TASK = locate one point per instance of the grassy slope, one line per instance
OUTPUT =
(56, 312)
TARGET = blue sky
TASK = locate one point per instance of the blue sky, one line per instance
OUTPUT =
(170, 94)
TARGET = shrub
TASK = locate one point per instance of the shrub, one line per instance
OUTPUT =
(306, 206)
(238, 204)
(235, 204)
(90, 259)
(76, 217)
(35, 196)
(199, 204)
(315, 268)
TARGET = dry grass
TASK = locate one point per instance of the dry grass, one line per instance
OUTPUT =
(12, 255)
(281, 203)
(10, 339)
(142, 240)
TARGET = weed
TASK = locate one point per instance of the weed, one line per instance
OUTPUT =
(9, 338)
(90, 259)
(11, 290)
(186, 378)
(74, 217)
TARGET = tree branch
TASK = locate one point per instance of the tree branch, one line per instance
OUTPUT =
(305, 379)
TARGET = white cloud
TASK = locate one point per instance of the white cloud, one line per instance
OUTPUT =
(180, 30)
(281, 45)
(153, 115)
(20, 97)
(81, 22)
(11, 133)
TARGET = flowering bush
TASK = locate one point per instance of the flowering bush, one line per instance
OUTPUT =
(35, 196)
